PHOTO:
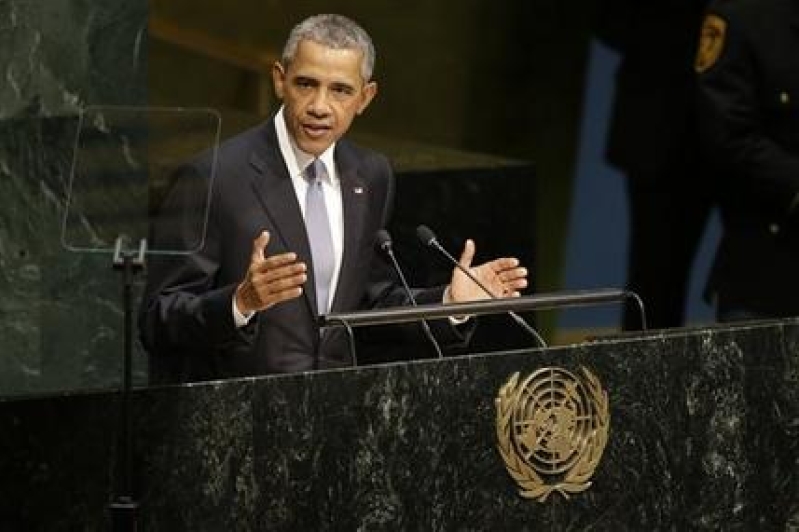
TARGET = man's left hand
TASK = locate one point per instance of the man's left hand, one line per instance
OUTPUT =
(503, 277)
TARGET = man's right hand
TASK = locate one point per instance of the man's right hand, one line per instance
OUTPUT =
(269, 280)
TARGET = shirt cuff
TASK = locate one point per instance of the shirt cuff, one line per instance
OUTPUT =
(454, 320)
(240, 320)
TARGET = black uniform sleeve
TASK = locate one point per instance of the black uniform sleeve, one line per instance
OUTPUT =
(737, 130)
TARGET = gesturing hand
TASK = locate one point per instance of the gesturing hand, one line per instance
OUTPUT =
(269, 280)
(503, 277)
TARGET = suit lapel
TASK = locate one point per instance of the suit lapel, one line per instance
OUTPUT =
(353, 198)
(272, 186)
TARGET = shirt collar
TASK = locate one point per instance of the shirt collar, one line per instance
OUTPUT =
(296, 159)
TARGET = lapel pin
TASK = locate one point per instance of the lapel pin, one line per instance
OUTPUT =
(358, 190)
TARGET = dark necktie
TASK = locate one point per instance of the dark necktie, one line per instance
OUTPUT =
(317, 224)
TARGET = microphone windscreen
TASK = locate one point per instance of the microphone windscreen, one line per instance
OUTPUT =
(425, 234)
(383, 239)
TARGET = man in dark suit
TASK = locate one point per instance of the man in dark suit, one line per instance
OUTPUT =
(294, 212)
(653, 139)
(749, 113)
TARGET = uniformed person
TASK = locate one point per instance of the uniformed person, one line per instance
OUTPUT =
(748, 65)
(654, 140)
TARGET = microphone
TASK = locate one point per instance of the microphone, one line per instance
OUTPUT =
(383, 242)
(428, 238)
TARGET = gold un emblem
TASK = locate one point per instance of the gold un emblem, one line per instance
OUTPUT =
(552, 429)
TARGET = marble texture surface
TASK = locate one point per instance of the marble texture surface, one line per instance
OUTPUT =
(60, 313)
(703, 436)
(59, 56)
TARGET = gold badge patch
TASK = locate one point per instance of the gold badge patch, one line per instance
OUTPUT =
(552, 428)
(711, 42)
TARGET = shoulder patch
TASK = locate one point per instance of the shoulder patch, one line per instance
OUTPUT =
(711, 42)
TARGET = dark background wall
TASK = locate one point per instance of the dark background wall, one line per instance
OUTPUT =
(504, 78)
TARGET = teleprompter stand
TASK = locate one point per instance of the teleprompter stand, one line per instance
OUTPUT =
(140, 188)
(123, 507)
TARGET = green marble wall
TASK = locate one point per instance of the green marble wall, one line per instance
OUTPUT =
(60, 313)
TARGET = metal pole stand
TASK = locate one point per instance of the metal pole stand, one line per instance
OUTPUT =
(123, 507)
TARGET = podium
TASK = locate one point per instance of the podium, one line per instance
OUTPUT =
(702, 430)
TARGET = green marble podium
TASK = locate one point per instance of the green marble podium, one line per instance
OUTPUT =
(702, 436)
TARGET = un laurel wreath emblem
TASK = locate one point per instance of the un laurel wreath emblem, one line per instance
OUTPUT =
(552, 429)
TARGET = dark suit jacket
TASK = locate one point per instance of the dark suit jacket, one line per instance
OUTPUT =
(186, 320)
(749, 110)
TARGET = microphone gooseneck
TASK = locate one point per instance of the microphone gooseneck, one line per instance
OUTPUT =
(383, 242)
(428, 238)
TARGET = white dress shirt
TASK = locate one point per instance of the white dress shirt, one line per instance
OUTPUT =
(297, 161)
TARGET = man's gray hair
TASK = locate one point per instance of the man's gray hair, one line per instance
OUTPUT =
(332, 31)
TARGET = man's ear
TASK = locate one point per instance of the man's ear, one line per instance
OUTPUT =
(368, 92)
(278, 78)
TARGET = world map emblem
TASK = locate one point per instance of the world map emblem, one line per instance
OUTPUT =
(552, 428)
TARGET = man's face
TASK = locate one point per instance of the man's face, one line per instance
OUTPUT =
(322, 91)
